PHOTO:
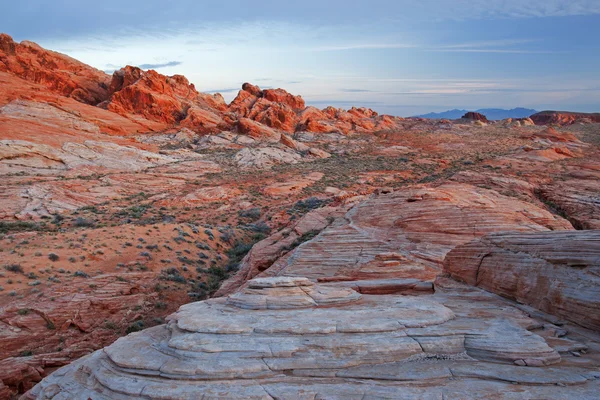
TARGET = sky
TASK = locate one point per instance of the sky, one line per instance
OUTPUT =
(398, 57)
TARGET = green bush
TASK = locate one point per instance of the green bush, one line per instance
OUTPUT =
(135, 327)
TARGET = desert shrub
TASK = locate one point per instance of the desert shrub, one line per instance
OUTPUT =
(110, 325)
(251, 214)
(53, 257)
(239, 250)
(84, 223)
(19, 226)
(227, 236)
(146, 254)
(135, 327)
(16, 268)
(81, 274)
(202, 246)
(172, 274)
(309, 204)
(217, 272)
(260, 227)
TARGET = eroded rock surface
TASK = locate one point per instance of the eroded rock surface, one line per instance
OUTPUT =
(404, 234)
(290, 338)
(556, 272)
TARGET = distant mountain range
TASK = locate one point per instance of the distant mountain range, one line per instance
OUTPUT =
(490, 113)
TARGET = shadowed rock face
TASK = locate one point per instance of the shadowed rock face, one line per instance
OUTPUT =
(556, 272)
(290, 338)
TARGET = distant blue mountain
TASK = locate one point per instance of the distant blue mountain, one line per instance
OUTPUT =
(490, 113)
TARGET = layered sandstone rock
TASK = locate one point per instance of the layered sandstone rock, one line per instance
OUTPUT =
(331, 342)
(58, 72)
(556, 272)
(22, 156)
(576, 195)
(404, 234)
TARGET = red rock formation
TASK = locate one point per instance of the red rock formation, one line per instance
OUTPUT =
(257, 130)
(58, 72)
(147, 97)
(171, 100)
(563, 117)
(556, 272)
(474, 116)
(281, 96)
(281, 110)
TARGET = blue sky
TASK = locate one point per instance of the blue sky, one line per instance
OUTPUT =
(398, 57)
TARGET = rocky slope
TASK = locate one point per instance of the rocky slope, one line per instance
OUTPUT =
(120, 204)
(403, 235)
(58, 72)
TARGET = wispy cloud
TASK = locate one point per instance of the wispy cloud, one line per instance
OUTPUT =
(356, 91)
(228, 90)
(344, 103)
(499, 51)
(161, 65)
(490, 43)
(500, 46)
(110, 68)
(362, 46)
